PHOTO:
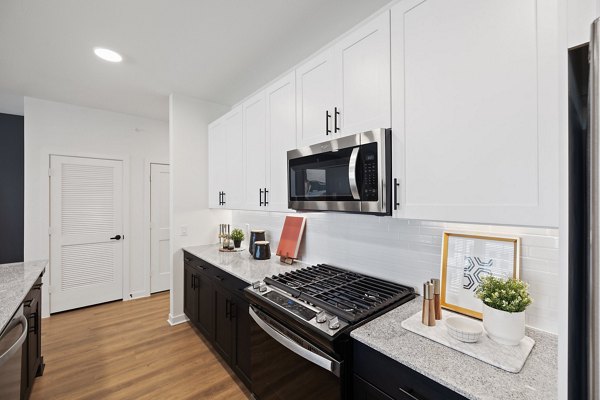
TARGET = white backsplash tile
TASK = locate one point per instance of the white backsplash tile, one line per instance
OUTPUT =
(409, 251)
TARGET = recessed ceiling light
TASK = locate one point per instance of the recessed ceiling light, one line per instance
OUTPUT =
(108, 55)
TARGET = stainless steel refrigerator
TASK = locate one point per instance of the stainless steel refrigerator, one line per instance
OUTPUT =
(584, 217)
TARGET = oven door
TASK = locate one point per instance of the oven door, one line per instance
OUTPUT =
(346, 174)
(285, 366)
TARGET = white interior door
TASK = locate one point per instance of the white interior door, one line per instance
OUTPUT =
(86, 233)
(160, 276)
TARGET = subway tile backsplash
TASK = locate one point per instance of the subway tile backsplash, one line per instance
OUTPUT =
(409, 251)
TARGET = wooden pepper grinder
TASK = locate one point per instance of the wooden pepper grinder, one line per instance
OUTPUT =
(428, 316)
(436, 298)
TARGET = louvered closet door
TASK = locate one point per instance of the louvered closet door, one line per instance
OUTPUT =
(86, 214)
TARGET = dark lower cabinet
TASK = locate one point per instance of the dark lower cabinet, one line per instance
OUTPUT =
(223, 323)
(214, 303)
(32, 362)
(378, 377)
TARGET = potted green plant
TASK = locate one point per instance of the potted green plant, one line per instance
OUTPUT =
(237, 235)
(504, 304)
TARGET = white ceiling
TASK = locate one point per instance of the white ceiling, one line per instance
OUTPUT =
(219, 50)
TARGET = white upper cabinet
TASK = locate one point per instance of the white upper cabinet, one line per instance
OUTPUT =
(580, 15)
(234, 161)
(346, 89)
(363, 79)
(217, 159)
(281, 131)
(475, 99)
(255, 136)
(315, 89)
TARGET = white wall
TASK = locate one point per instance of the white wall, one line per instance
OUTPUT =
(188, 144)
(58, 128)
(408, 251)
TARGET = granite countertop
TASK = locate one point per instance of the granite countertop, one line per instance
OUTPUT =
(16, 280)
(466, 375)
(242, 264)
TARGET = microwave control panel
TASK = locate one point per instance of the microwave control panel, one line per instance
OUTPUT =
(369, 175)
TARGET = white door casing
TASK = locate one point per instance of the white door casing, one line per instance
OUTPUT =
(86, 211)
(160, 275)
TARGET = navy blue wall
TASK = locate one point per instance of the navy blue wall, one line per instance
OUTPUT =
(12, 170)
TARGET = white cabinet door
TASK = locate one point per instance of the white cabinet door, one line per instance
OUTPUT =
(315, 85)
(475, 120)
(255, 136)
(234, 161)
(217, 159)
(363, 78)
(580, 15)
(281, 131)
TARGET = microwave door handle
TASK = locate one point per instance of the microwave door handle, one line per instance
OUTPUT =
(330, 365)
(352, 173)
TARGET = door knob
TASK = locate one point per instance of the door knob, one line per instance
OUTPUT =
(118, 237)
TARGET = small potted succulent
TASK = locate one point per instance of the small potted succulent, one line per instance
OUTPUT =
(237, 235)
(504, 304)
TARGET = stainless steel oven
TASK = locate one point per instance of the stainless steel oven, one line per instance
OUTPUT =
(351, 173)
(287, 365)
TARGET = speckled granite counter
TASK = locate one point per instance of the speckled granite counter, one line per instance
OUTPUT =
(468, 376)
(16, 280)
(241, 264)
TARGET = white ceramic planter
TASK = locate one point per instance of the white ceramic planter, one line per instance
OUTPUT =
(504, 327)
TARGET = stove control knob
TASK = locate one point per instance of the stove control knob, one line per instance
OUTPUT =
(321, 317)
(256, 285)
(334, 323)
(262, 288)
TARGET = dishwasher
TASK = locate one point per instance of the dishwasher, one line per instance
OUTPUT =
(11, 352)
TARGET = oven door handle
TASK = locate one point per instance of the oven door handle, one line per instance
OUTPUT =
(330, 365)
(352, 173)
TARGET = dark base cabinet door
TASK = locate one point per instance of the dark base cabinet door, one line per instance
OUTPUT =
(32, 362)
(189, 292)
(205, 306)
(223, 325)
(241, 353)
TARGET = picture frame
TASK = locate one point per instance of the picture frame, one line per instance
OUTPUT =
(466, 258)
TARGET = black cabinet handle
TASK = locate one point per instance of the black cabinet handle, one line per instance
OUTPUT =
(227, 309)
(260, 202)
(408, 394)
(118, 237)
(33, 325)
(327, 118)
(396, 184)
(203, 268)
(219, 278)
(187, 259)
(335, 119)
(224, 198)
(266, 202)
(219, 198)
(193, 281)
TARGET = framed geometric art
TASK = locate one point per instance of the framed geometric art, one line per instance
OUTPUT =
(466, 258)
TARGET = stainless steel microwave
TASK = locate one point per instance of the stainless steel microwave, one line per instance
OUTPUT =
(351, 174)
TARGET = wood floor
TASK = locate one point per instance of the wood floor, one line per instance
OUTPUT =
(127, 350)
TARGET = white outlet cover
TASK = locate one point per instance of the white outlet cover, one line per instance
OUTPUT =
(184, 231)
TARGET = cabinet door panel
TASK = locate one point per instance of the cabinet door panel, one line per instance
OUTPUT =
(281, 130)
(217, 158)
(205, 305)
(223, 338)
(363, 78)
(474, 119)
(315, 85)
(189, 293)
(241, 326)
(234, 161)
(255, 136)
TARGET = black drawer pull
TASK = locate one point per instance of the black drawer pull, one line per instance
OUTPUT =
(219, 278)
(201, 267)
(27, 303)
(409, 393)
(187, 259)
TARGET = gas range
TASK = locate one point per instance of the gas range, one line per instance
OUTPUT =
(327, 298)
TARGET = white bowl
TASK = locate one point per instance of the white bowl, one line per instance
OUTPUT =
(464, 329)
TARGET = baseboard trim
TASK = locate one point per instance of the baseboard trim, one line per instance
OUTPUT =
(178, 319)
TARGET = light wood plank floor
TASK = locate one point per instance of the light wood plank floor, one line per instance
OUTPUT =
(127, 350)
